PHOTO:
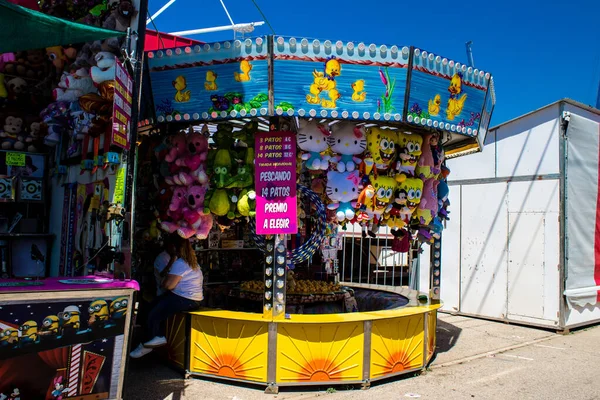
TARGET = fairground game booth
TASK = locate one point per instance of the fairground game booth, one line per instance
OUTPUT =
(66, 102)
(310, 176)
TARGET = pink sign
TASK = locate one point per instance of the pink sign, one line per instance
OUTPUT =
(275, 177)
(122, 107)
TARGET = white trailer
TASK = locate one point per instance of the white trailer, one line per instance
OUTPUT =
(523, 241)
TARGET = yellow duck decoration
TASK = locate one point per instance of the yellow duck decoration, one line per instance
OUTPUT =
(455, 107)
(181, 95)
(245, 67)
(455, 104)
(359, 94)
(434, 105)
(325, 81)
(211, 81)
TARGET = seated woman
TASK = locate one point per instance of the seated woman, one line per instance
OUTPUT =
(182, 280)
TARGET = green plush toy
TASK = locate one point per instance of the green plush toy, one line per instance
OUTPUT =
(220, 203)
(247, 203)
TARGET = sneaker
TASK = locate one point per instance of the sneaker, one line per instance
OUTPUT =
(156, 342)
(140, 351)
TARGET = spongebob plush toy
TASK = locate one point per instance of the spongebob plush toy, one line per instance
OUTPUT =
(381, 150)
(409, 151)
(375, 200)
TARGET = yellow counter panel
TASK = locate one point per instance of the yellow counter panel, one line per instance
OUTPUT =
(303, 349)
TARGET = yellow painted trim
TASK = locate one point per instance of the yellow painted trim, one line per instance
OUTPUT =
(323, 318)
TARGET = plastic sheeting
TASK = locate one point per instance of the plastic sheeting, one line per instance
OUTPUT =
(582, 244)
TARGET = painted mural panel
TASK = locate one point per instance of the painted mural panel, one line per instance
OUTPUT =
(339, 80)
(216, 80)
(446, 94)
(61, 349)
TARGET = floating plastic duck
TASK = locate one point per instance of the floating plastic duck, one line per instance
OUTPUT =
(455, 107)
(211, 81)
(245, 67)
(434, 105)
(181, 95)
(359, 94)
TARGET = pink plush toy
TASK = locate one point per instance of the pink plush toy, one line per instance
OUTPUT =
(178, 201)
(348, 140)
(425, 164)
(193, 211)
(428, 207)
(178, 147)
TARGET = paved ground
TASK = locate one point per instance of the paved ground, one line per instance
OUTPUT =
(476, 359)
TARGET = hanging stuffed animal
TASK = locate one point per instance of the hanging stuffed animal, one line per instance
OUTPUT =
(381, 152)
(437, 151)
(408, 197)
(374, 200)
(342, 190)
(247, 203)
(409, 150)
(428, 207)
(178, 147)
(74, 85)
(175, 212)
(193, 214)
(348, 140)
(312, 140)
(425, 165)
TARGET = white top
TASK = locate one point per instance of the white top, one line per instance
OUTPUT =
(160, 263)
(190, 285)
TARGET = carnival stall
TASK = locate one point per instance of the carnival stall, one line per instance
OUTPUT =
(270, 154)
(66, 99)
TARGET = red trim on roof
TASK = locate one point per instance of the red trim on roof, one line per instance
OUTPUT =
(158, 40)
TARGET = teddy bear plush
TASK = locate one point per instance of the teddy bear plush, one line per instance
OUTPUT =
(16, 87)
(35, 137)
(11, 136)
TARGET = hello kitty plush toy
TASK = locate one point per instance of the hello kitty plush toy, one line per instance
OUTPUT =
(342, 190)
(348, 141)
(312, 139)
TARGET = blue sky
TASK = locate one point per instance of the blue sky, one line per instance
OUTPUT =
(538, 51)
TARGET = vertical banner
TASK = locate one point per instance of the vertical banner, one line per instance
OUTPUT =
(275, 177)
(121, 119)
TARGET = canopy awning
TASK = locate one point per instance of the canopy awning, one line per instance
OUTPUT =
(25, 29)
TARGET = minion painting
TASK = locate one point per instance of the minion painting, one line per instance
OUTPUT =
(71, 320)
(99, 314)
(29, 333)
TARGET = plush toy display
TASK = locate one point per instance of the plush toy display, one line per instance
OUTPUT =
(74, 85)
(312, 140)
(247, 203)
(428, 207)
(375, 200)
(342, 190)
(381, 150)
(35, 137)
(105, 67)
(198, 223)
(347, 140)
(409, 151)
(11, 136)
(425, 165)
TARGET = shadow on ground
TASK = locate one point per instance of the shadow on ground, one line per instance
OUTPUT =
(447, 336)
